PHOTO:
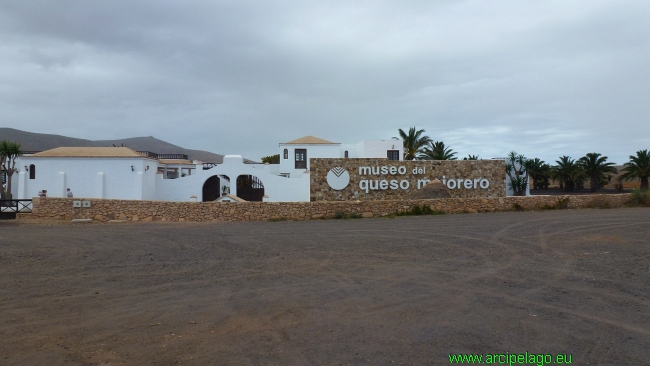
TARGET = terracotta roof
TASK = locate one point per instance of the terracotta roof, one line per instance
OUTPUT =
(310, 140)
(90, 152)
(175, 161)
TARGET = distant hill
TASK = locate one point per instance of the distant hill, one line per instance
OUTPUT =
(30, 141)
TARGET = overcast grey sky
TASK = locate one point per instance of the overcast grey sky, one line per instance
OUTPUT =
(544, 78)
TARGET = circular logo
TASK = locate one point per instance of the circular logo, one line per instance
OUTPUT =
(338, 178)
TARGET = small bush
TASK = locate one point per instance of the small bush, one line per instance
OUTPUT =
(562, 203)
(517, 207)
(639, 198)
(419, 211)
(345, 216)
(340, 215)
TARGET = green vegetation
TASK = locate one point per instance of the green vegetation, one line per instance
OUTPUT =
(539, 171)
(277, 219)
(9, 151)
(271, 159)
(436, 151)
(595, 166)
(413, 142)
(344, 216)
(419, 211)
(517, 173)
(571, 174)
(517, 207)
(639, 198)
(471, 157)
(638, 167)
(567, 172)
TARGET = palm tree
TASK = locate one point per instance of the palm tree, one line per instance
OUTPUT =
(9, 151)
(535, 168)
(517, 173)
(638, 167)
(545, 175)
(565, 172)
(595, 167)
(437, 151)
(414, 141)
(471, 157)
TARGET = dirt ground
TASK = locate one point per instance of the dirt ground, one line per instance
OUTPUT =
(401, 291)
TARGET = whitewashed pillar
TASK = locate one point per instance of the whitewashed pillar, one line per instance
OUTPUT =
(22, 186)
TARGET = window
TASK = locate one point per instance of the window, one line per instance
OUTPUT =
(346, 154)
(32, 171)
(301, 158)
(393, 154)
(286, 153)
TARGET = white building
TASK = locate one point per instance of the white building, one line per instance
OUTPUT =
(121, 173)
(295, 155)
(92, 172)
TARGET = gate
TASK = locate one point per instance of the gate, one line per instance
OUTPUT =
(212, 189)
(250, 188)
(9, 208)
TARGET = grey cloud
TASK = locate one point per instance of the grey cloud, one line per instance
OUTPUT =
(547, 79)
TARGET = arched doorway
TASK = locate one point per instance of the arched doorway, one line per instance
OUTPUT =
(212, 189)
(250, 188)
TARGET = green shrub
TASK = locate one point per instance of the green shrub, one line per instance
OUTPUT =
(562, 203)
(344, 216)
(639, 198)
(517, 207)
(419, 211)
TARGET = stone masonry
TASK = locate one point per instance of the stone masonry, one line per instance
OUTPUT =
(105, 210)
(494, 171)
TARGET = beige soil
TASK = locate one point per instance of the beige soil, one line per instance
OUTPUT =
(403, 291)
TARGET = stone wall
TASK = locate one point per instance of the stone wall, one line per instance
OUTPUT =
(470, 171)
(104, 210)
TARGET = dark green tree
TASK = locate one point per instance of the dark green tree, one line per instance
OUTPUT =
(638, 167)
(471, 157)
(595, 167)
(437, 151)
(9, 151)
(413, 142)
(565, 171)
(271, 159)
(535, 169)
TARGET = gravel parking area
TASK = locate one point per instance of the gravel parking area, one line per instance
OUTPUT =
(401, 291)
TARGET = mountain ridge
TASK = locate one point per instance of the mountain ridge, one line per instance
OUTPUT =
(33, 141)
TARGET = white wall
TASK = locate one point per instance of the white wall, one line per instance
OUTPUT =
(379, 148)
(279, 189)
(313, 151)
(354, 151)
(363, 149)
(88, 177)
